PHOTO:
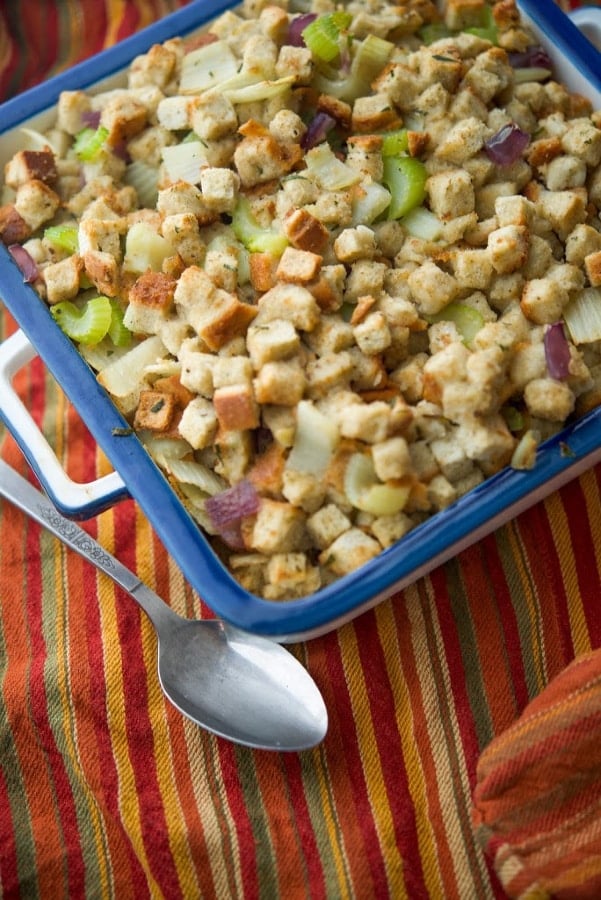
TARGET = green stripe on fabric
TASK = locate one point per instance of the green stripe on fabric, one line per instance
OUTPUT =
(322, 809)
(469, 860)
(264, 849)
(472, 665)
(526, 605)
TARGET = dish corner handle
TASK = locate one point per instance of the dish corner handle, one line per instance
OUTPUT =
(73, 499)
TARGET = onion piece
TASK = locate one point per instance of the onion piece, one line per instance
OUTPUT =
(25, 262)
(507, 145)
(233, 504)
(315, 440)
(90, 118)
(583, 316)
(295, 30)
(534, 57)
(317, 130)
(557, 351)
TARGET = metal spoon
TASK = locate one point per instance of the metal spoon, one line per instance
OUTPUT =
(239, 686)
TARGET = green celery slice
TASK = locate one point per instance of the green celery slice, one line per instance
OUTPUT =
(64, 237)
(250, 233)
(322, 36)
(405, 178)
(89, 143)
(119, 334)
(87, 325)
(467, 319)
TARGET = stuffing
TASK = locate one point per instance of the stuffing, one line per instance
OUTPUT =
(283, 310)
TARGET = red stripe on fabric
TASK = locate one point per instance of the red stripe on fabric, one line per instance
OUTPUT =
(384, 712)
(345, 769)
(507, 616)
(129, 23)
(537, 539)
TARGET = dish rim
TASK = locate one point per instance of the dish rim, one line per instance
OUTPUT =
(480, 511)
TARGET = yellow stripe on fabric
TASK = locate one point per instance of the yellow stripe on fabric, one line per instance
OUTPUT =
(562, 539)
(529, 629)
(67, 734)
(452, 805)
(370, 757)
(161, 737)
(405, 725)
(114, 15)
(114, 666)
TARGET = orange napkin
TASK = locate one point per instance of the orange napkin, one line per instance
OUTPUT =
(537, 801)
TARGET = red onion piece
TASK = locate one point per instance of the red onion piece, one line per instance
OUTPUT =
(232, 505)
(507, 145)
(91, 118)
(317, 130)
(25, 262)
(535, 57)
(296, 28)
(557, 351)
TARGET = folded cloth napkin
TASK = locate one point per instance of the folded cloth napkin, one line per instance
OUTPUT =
(537, 801)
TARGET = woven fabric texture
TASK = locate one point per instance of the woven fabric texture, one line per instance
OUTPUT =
(107, 791)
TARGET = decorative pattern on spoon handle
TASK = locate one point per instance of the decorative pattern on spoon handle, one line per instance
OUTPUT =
(77, 538)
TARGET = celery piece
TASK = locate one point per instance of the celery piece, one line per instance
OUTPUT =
(322, 35)
(422, 223)
(405, 178)
(395, 142)
(467, 319)
(487, 30)
(252, 235)
(330, 173)
(89, 142)
(63, 237)
(369, 57)
(514, 419)
(86, 325)
(434, 31)
(119, 334)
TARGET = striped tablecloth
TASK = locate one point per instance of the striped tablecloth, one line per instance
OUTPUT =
(106, 791)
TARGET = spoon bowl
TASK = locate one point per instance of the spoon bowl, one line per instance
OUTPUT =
(240, 686)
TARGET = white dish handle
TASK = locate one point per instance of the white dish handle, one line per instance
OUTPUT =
(588, 19)
(73, 499)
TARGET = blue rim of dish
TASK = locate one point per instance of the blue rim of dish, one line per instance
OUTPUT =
(182, 538)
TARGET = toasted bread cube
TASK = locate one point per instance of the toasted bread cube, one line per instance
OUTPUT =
(150, 302)
(270, 341)
(280, 383)
(278, 528)
(221, 320)
(236, 407)
(305, 231)
(13, 227)
(299, 266)
(351, 550)
(198, 424)
(156, 411)
(124, 116)
(31, 164)
(212, 115)
(36, 203)
(103, 271)
(508, 248)
(62, 279)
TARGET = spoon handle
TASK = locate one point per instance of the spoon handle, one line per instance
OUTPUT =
(22, 494)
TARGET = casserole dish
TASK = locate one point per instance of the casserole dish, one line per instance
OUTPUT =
(426, 546)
